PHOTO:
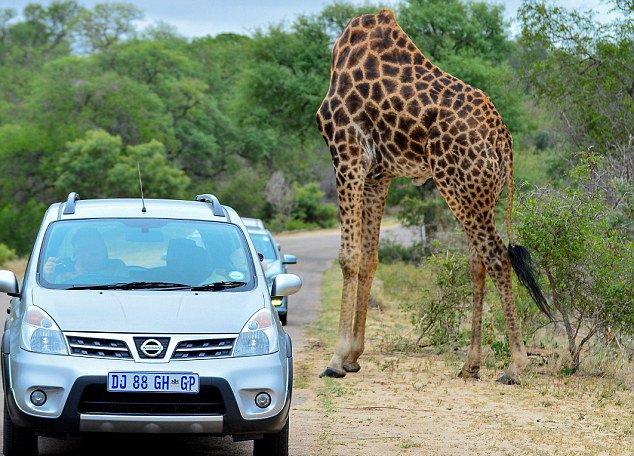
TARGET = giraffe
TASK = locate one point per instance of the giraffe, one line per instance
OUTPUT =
(391, 112)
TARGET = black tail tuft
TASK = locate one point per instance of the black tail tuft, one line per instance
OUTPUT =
(523, 267)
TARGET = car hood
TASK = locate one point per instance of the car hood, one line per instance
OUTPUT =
(143, 311)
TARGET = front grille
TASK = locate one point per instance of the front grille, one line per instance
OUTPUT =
(163, 342)
(205, 348)
(97, 399)
(102, 348)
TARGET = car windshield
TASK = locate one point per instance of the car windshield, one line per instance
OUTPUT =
(144, 253)
(264, 245)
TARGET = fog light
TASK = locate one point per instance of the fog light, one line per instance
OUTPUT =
(263, 400)
(38, 397)
(277, 301)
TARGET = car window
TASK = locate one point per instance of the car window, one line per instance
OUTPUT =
(264, 245)
(104, 251)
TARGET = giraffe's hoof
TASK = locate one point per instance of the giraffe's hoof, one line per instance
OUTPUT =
(333, 373)
(508, 379)
(466, 373)
(351, 367)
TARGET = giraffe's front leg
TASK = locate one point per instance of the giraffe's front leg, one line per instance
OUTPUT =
(349, 261)
(471, 368)
(374, 196)
(350, 192)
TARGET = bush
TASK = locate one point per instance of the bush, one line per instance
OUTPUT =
(420, 208)
(307, 206)
(294, 224)
(440, 311)
(391, 252)
(243, 191)
(99, 165)
(6, 254)
(587, 262)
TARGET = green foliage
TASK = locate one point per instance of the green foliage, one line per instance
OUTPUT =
(6, 254)
(391, 252)
(444, 28)
(107, 24)
(587, 262)
(19, 224)
(581, 68)
(307, 206)
(420, 208)
(242, 190)
(100, 166)
(437, 313)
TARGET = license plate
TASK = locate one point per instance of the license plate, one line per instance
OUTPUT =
(153, 382)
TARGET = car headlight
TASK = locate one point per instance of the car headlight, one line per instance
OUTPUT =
(41, 334)
(259, 335)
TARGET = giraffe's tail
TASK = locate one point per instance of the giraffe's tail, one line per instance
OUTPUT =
(519, 256)
(507, 153)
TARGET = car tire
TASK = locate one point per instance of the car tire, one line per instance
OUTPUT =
(272, 444)
(17, 441)
(283, 318)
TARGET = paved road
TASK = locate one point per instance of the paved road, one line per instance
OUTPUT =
(315, 251)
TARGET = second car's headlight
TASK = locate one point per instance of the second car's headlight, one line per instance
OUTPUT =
(41, 334)
(259, 335)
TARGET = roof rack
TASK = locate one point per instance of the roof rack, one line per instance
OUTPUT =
(216, 208)
(69, 208)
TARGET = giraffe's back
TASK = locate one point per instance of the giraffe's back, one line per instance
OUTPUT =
(410, 118)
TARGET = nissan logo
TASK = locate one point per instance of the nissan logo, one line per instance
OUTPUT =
(152, 348)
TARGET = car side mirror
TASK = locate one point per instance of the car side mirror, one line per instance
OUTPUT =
(285, 285)
(279, 247)
(289, 259)
(9, 283)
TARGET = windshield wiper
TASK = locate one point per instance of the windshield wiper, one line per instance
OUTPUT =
(132, 286)
(216, 286)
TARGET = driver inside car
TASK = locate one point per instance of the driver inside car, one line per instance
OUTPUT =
(90, 258)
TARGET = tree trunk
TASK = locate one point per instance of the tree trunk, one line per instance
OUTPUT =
(570, 332)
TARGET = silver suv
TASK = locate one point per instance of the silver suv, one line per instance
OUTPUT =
(145, 317)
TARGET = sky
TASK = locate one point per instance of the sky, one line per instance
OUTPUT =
(209, 17)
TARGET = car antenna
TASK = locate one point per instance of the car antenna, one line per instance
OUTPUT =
(141, 184)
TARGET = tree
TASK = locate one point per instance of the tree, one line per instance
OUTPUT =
(107, 24)
(587, 262)
(73, 94)
(442, 28)
(584, 70)
(307, 206)
(99, 166)
(279, 196)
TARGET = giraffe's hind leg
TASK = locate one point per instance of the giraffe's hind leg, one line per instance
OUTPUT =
(374, 195)
(494, 256)
(471, 368)
(472, 199)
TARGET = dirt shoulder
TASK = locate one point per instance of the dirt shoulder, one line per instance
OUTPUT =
(414, 404)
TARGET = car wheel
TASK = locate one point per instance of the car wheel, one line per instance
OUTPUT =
(283, 318)
(17, 441)
(272, 444)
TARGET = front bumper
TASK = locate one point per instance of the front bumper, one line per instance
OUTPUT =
(65, 379)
